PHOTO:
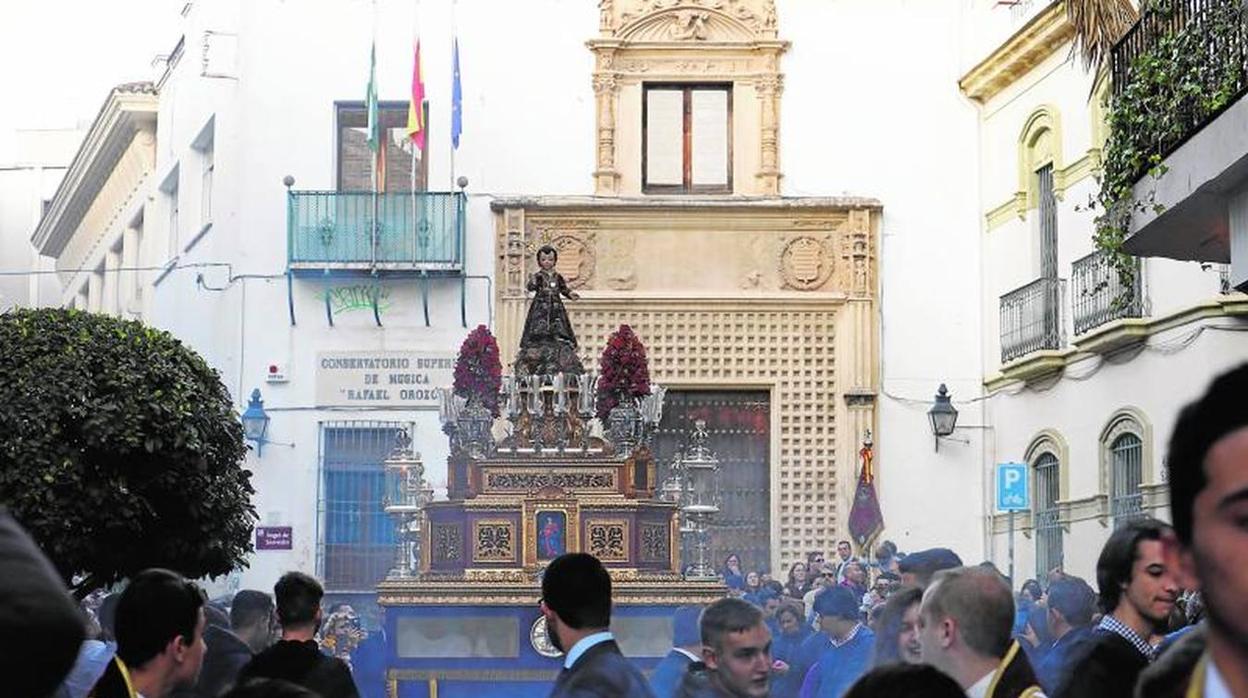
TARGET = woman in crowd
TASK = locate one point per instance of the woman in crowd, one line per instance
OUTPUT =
(731, 572)
(796, 586)
(753, 585)
(897, 633)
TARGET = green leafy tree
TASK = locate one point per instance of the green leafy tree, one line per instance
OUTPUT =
(119, 449)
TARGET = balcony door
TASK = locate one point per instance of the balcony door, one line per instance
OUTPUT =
(1048, 255)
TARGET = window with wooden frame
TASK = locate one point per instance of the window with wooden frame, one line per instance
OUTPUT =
(355, 159)
(686, 139)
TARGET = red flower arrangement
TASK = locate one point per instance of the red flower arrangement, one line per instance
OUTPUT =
(478, 369)
(623, 370)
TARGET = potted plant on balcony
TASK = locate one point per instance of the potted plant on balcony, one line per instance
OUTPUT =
(624, 377)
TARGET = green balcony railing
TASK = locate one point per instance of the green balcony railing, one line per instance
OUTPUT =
(389, 231)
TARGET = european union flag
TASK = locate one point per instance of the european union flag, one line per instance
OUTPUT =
(457, 98)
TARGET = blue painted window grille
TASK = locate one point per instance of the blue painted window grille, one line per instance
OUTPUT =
(357, 543)
(1048, 518)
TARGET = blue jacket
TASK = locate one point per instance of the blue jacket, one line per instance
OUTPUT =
(839, 667)
(787, 649)
(666, 677)
(1058, 661)
(800, 660)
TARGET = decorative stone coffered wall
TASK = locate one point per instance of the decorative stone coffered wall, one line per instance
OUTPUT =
(688, 41)
(777, 295)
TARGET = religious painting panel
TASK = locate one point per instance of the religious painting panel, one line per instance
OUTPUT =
(552, 535)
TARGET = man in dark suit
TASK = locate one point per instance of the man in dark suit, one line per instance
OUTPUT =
(1137, 592)
(686, 649)
(296, 657)
(576, 603)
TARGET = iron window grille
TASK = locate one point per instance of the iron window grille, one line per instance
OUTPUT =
(357, 537)
(1048, 519)
(1126, 473)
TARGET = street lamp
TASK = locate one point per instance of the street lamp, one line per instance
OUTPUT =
(256, 421)
(943, 415)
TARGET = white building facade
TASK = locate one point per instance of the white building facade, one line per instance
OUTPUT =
(235, 232)
(1084, 376)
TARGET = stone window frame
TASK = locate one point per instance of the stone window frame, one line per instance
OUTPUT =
(690, 41)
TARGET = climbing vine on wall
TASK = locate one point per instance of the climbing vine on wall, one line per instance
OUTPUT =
(1184, 64)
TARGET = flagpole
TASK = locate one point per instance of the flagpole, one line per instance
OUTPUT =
(412, 142)
(455, 49)
(380, 144)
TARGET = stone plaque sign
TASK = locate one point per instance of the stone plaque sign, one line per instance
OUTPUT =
(382, 378)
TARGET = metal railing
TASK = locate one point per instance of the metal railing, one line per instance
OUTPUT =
(1100, 294)
(423, 231)
(1223, 36)
(1031, 319)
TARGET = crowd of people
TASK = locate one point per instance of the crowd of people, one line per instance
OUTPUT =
(1168, 617)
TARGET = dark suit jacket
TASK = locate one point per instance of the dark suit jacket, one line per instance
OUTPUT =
(602, 672)
(302, 663)
(1107, 668)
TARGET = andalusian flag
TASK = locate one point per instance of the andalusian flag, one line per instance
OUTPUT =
(416, 126)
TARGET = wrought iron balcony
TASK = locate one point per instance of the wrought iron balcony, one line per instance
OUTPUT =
(1031, 319)
(1218, 30)
(363, 231)
(1100, 294)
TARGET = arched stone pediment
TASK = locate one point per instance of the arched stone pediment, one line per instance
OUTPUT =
(680, 20)
(688, 22)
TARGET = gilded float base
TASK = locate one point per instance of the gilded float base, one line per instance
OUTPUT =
(481, 634)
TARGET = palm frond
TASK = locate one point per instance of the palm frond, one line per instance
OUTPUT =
(1098, 24)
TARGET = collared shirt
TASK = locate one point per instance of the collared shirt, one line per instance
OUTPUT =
(688, 654)
(583, 645)
(1116, 626)
(848, 638)
(1215, 685)
(979, 689)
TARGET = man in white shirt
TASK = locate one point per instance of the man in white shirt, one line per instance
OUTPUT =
(964, 630)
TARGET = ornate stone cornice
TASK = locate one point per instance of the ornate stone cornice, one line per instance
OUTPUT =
(1036, 41)
(601, 203)
(129, 110)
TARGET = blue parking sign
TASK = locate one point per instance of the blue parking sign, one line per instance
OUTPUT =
(1013, 487)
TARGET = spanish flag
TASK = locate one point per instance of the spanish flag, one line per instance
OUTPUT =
(416, 126)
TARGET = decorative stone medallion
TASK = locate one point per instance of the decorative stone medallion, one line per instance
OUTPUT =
(805, 263)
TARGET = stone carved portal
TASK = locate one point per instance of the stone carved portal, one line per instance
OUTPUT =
(724, 41)
(804, 328)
